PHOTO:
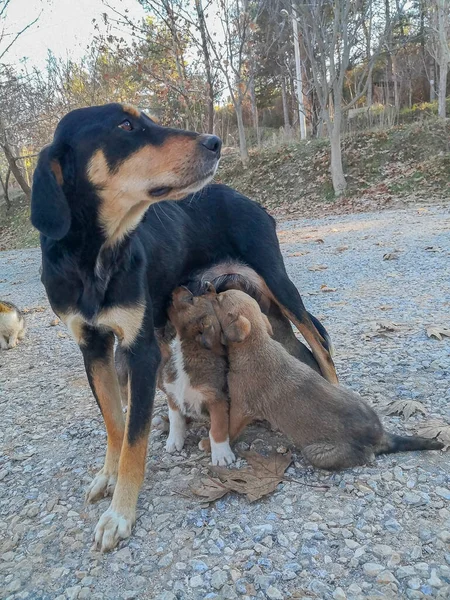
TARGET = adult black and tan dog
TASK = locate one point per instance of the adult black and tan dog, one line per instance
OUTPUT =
(111, 256)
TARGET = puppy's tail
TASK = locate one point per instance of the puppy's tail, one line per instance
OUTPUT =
(390, 443)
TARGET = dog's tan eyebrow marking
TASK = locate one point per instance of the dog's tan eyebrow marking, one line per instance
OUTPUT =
(131, 110)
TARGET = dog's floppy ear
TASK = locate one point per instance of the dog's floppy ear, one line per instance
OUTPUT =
(50, 212)
(237, 331)
(267, 324)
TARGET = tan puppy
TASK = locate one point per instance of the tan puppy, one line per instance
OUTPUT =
(333, 427)
(12, 325)
(194, 376)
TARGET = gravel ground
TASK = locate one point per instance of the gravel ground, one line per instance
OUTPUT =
(380, 531)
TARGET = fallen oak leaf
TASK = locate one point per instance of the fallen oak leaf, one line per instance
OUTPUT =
(433, 249)
(317, 268)
(405, 407)
(298, 253)
(438, 332)
(341, 248)
(436, 429)
(319, 241)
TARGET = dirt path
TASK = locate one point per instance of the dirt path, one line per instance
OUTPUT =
(381, 531)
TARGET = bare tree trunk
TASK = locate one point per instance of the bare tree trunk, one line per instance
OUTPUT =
(287, 125)
(443, 70)
(241, 130)
(15, 169)
(443, 52)
(337, 170)
(207, 62)
(254, 110)
(299, 77)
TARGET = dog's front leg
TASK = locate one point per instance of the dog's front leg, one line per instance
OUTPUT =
(98, 353)
(143, 358)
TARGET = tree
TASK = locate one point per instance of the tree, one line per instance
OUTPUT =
(7, 40)
(439, 47)
(331, 33)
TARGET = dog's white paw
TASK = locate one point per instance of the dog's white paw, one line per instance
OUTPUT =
(175, 442)
(221, 453)
(111, 528)
(101, 486)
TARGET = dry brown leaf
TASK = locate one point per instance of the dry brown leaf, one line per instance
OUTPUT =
(385, 307)
(433, 249)
(341, 248)
(33, 309)
(259, 479)
(438, 331)
(390, 256)
(61, 335)
(383, 327)
(436, 429)
(325, 288)
(298, 253)
(319, 241)
(54, 322)
(405, 407)
(210, 489)
(317, 268)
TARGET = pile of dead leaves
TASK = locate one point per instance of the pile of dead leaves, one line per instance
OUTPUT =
(260, 478)
(438, 332)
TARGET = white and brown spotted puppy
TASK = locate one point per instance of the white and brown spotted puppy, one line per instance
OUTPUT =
(12, 325)
(194, 377)
(333, 426)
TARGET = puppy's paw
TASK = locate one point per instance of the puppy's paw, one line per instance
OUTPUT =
(111, 528)
(175, 442)
(221, 454)
(101, 486)
(205, 445)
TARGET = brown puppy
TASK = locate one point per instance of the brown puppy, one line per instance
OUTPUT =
(333, 427)
(194, 376)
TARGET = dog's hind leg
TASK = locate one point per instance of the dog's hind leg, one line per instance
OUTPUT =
(98, 353)
(335, 456)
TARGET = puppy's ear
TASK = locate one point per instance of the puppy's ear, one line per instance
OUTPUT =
(50, 212)
(209, 288)
(182, 296)
(238, 330)
(267, 324)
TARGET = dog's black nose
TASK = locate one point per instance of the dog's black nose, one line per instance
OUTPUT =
(212, 142)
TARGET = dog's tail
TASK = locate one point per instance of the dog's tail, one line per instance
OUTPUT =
(390, 443)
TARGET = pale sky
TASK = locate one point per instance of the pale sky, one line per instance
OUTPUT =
(65, 26)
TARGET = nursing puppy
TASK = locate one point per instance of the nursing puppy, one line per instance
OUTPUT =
(235, 275)
(333, 427)
(12, 325)
(194, 376)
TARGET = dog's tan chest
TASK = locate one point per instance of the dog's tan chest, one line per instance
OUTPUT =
(178, 384)
(124, 322)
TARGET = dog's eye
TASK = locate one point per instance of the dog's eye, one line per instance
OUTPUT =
(126, 125)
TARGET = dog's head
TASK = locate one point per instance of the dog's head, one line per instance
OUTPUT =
(195, 319)
(239, 315)
(116, 161)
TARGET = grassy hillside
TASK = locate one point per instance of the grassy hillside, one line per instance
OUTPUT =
(406, 164)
